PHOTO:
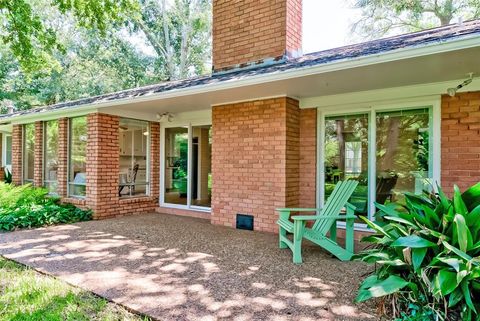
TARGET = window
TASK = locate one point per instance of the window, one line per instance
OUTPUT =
(8, 152)
(403, 156)
(387, 152)
(51, 155)
(77, 173)
(28, 152)
(187, 165)
(133, 158)
(346, 145)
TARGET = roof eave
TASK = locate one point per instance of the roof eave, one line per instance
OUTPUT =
(460, 43)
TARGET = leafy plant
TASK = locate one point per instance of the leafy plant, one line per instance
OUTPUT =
(27, 207)
(428, 256)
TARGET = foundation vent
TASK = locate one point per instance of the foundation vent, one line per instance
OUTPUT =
(245, 222)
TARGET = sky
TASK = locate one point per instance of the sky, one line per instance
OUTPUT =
(326, 24)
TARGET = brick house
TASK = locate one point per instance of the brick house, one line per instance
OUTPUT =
(268, 128)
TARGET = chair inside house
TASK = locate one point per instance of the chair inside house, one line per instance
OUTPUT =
(324, 221)
(384, 188)
(129, 181)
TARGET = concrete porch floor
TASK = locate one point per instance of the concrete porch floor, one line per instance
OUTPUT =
(180, 268)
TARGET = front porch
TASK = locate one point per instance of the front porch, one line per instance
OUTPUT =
(180, 268)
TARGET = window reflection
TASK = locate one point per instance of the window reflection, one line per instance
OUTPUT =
(346, 156)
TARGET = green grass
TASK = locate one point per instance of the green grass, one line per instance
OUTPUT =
(28, 295)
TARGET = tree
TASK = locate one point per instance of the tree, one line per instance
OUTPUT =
(33, 43)
(179, 32)
(383, 17)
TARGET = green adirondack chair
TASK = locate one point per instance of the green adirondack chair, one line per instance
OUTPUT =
(325, 220)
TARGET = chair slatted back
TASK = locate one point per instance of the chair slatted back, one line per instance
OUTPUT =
(335, 202)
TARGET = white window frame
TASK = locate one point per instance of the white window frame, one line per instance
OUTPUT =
(69, 157)
(434, 106)
(148, 162)
(189, 205)
(4, 152)
(24, 148)
(44, 156)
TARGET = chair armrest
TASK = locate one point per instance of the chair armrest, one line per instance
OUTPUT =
(320, 217)
(297, 209)
(351, 207)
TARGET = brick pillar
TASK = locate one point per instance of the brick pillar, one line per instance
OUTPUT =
(62, 174)
(102, 164)
(38, 158)
(255, 160)
(17, 151)
(460, 141)
(155, 160)
(308, 157)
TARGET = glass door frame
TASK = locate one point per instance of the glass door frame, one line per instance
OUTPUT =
(434, 106)
(189, 206)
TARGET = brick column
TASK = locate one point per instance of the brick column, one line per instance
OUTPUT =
(17, 151)
(308, 157)
(255, 160)
(155, 160)
(38, 158)
(460, 141)
(102, 164)
(62, 174)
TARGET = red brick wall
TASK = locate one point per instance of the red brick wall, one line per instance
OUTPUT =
(62, 173)
(308, 157)
(103, 169)
(38, 158)
(460, 140)
(17, 151)
(246, 31)
(254, 160)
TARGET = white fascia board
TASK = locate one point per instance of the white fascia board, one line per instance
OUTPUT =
(423, 91)
(398, 54)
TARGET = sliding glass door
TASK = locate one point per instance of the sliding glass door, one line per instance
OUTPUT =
(187, 164)
(389, 152)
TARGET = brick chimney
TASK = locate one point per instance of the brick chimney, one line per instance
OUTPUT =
(249, 33)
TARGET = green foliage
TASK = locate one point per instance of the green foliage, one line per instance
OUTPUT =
(381, 17)
(33, 43)
(428, 256)
(134, 50)
(26, 207)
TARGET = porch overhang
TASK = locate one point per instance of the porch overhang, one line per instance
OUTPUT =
(441, 65)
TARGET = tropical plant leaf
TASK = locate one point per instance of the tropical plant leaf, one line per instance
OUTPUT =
(418, 254)
(464, 237)
(460, 253)
(413, 241)
(445, 282)
(458, 203)
(471, 196)
(467, 296)
(381, 288)
(455, 297)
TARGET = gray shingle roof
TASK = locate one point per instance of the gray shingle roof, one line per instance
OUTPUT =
(411, 40)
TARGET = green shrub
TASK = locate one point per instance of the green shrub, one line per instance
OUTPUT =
(26, 207)
(427, 255)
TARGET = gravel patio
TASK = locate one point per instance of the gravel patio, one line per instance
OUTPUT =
(179, 268)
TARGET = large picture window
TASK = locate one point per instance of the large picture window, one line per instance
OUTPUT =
(51, 155)
(28, 152)
(133, 158)
(77, 173)
(387, 152)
